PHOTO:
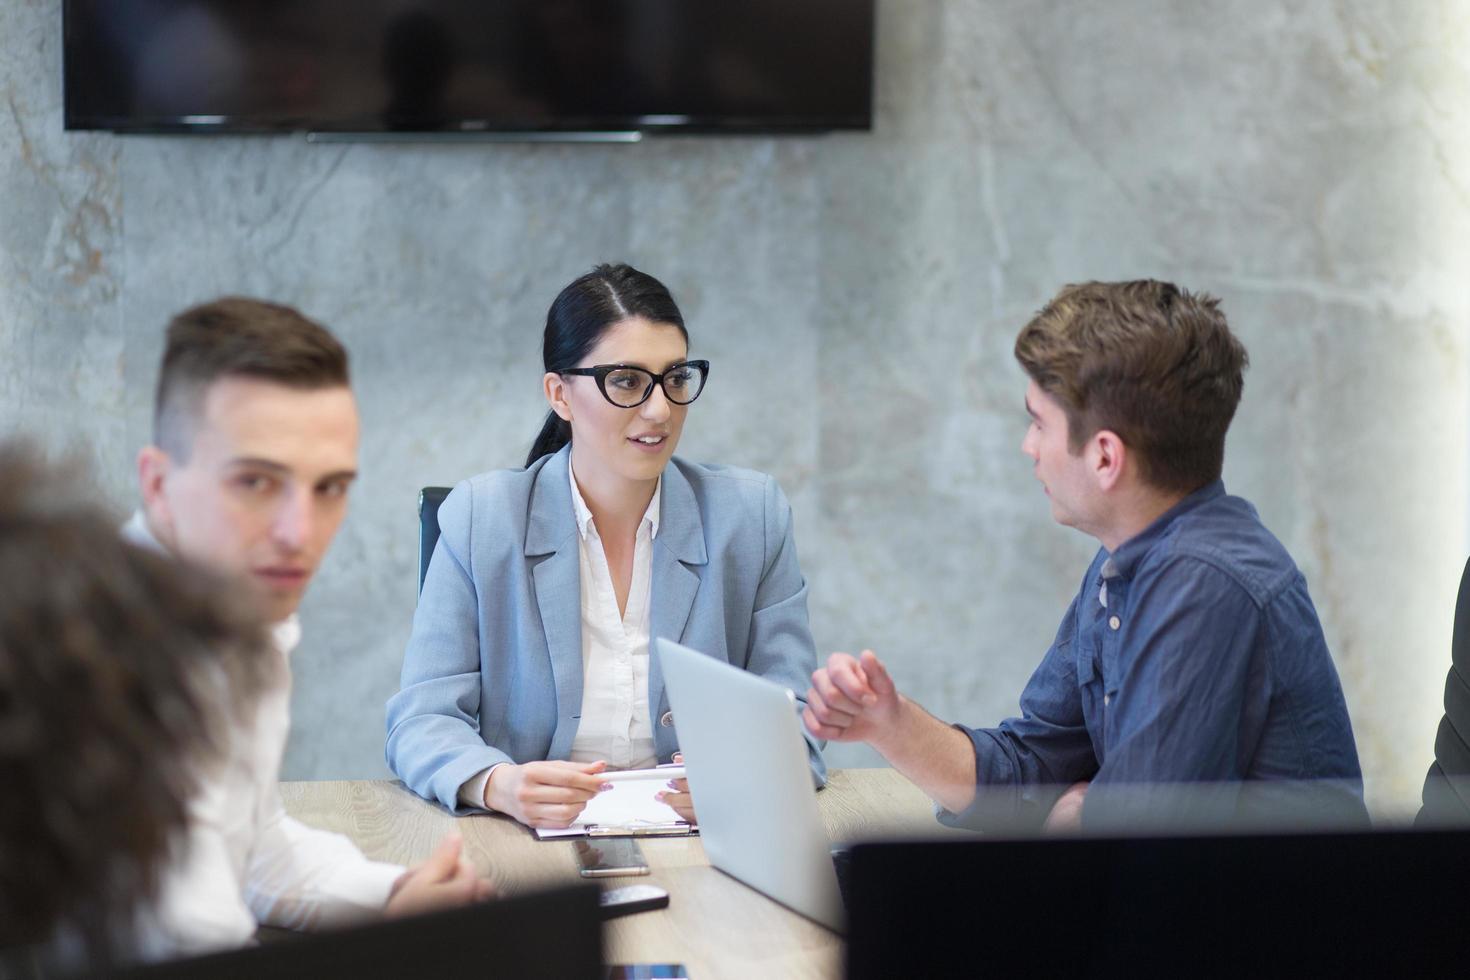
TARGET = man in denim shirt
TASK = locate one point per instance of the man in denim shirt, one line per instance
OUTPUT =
(1192, 653)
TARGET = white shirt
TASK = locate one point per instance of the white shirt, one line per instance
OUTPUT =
(615, 723)
(242, 860)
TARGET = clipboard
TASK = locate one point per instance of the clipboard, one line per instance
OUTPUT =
(674, 828)
(628, 809)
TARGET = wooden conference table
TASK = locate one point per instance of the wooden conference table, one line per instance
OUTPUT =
(713, 924)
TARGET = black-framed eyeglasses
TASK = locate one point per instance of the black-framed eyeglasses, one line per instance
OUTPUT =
(628, 387)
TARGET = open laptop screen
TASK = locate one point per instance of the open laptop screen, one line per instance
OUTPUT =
(748, 770)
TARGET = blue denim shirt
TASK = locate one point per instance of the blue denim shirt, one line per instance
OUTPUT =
(1191, 654)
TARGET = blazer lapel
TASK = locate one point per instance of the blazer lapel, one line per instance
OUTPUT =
(674, 583)
(551, 534)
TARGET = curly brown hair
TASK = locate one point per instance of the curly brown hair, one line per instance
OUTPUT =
(118, 671)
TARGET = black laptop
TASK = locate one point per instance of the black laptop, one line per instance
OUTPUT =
(1375, 903)
(552, 934)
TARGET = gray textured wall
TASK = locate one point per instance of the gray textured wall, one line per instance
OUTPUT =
(858, 295)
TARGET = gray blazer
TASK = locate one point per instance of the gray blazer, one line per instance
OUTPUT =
(493, 670)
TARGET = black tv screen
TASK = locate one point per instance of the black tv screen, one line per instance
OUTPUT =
(469, 66)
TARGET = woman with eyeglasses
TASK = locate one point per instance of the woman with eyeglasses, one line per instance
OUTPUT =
(528, 671)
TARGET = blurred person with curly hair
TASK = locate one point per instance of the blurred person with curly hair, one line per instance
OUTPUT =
(118, 669)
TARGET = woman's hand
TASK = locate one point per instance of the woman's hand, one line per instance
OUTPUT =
(544, 794)
(677, 796)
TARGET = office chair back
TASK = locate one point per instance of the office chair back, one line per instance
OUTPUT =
(1447, 787)
(429, 500)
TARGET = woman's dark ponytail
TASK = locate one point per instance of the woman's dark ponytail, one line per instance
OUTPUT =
(578, 317)
(557, 432)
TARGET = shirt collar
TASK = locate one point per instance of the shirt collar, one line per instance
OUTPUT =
(584, 515)
(287, 634)
(1122, 561)
(137, 532)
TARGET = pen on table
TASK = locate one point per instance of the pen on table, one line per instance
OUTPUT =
(661, 772)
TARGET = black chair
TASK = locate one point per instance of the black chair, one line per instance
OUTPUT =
(1447, 787)
(429, 500)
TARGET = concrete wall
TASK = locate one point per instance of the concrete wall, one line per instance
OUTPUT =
(859, 295)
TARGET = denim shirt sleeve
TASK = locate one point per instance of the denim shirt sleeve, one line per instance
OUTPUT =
(1190, 699)
(1022, 765)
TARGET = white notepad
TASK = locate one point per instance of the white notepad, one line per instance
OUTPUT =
(629, 808)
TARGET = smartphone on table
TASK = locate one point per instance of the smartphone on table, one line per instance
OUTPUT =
(608, 857)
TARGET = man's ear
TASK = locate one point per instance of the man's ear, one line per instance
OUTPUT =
(1107, 458)
(554, 386)
(154, 467)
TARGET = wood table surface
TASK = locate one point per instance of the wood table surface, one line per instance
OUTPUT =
(715, 925)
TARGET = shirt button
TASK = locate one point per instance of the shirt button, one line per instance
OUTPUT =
(1107, 700)
(1114, 622)
(667, 720)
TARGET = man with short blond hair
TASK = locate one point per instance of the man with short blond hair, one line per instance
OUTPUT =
(255, 448)
(1192, 653)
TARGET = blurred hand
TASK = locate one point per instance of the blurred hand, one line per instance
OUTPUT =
(677, 796)
(851, 699)
(1066, 813)
(444, 881)
(544, 794)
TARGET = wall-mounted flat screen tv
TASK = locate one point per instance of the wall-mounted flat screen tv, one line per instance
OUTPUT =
(469, 66)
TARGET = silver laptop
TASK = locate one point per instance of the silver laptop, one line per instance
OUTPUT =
(747, 766)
